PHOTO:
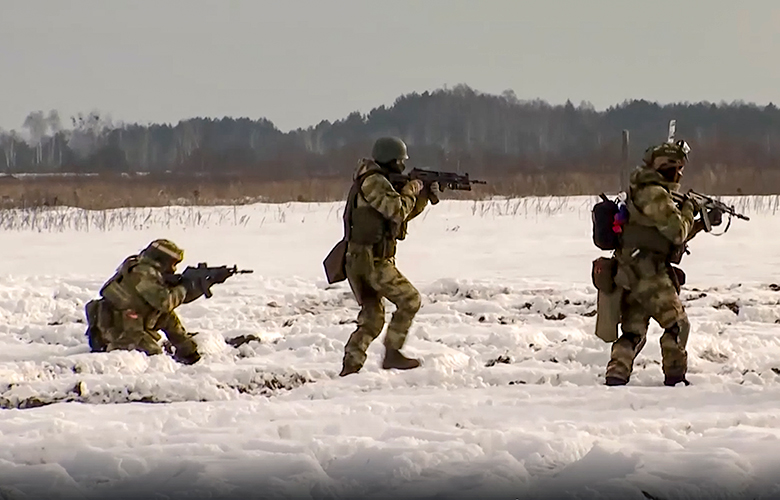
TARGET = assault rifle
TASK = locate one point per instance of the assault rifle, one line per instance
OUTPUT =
(446, 180)
(705, 203)
(203, 276)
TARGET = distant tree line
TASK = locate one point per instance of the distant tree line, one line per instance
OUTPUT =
(454, 129)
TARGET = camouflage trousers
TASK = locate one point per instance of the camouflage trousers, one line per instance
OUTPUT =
(372, 280)
(110, 329)
(652, 293)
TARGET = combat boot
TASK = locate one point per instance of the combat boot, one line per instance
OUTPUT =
(613, 381)
(186, 352)
(394, 359)
(349, 367)
(671, 381)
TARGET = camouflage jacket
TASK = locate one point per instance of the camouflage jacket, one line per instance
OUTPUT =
(655, 222)
(396, 208)
(138, 285)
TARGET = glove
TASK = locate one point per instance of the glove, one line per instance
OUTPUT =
(413, 188)
(715, 215)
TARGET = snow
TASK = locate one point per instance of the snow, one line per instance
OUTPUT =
(509, 402)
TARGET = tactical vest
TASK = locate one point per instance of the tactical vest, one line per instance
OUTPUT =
(120, 289)
(365, 225)
(642, 234)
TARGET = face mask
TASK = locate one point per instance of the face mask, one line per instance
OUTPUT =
(395, 166)
(671, 173)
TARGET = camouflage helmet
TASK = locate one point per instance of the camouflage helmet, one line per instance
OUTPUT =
(164, 251)
(387, 149)
(667, 155)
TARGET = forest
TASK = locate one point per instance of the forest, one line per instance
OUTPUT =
(526, 143)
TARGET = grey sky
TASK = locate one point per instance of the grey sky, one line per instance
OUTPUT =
(297, 62)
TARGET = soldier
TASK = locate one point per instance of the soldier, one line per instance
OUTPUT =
(654, 238)
(378, 219)
(137, 302)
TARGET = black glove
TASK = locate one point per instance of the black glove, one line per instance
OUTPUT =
(715, 215)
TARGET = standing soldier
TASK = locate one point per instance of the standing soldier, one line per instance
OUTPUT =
(653, 239)
(137, 302)
(379, 215)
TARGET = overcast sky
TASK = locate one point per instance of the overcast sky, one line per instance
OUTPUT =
(298, 62)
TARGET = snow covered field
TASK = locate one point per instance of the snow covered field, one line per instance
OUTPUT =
(509, 402)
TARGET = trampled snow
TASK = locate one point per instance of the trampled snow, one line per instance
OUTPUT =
(509, 402)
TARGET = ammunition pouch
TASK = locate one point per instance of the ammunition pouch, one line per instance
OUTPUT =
(603, 274)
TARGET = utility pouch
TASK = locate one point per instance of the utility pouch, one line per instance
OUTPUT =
(603, 274)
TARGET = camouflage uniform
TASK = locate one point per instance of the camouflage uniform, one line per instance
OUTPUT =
(371, 270)
(657, 231)
(137, 302)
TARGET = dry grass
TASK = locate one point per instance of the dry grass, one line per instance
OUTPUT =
(105, 192)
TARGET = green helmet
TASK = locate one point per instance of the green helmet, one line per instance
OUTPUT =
(667, 154)
(165, 252)
(387, 149)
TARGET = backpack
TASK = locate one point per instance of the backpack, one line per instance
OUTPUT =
(608, 221)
